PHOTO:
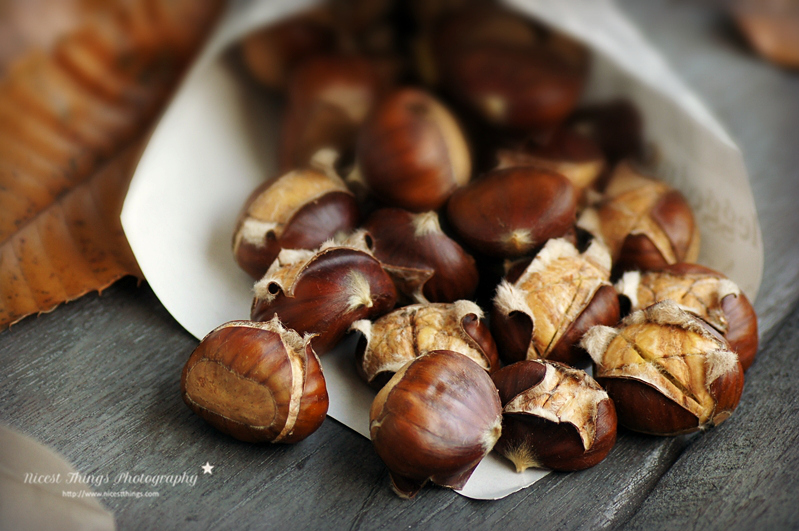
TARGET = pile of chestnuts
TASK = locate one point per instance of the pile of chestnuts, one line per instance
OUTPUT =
(445, 196)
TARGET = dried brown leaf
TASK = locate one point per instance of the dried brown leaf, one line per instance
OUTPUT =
(72, 123)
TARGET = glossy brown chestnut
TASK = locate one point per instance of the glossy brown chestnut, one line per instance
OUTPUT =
(271, 53)
(560, 295)
(411, 152)
(435, 420)
(576, 157)
(299, 210)
(258, 382)
(646, 223)
(329, 97)
(553, 417)
(705, 293)
(426, 264)
(667, 371)
(405, 333)
(515, 88)
(323, 292)
(508, 213)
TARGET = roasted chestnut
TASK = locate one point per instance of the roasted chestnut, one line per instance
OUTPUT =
(426, 264)
(508, 213)
(667, 371)
(411, 152)
(435, 420)
(402, 335)
(323, 292)
(299, 210)
(519, 89)
(646, 223)
(259, 382)
(560, 295)
(553, 417)
(704, 292)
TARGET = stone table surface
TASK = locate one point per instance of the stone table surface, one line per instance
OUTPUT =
(98, 380)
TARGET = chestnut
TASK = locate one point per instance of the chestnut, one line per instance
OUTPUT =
(329, 97)
(435, 420)
(448, 29)
(553, 416)
(425, 263)
(401, 335)
(516, 88)
(258, 382)
(576, 157)
(560, 295)
(324, 291)
(271, 53)
(646, 223)
(299, 210)
(411, 152)
(667, 371)
(703, 292)
(510, 212)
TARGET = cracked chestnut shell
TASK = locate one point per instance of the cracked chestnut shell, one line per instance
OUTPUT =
(299, 210)
(425, 263)
(545, 312)
(258, 382)
(704, 292)
(508, 213)
(411, 152)
(646, 223)
(667, 371)
(323, 292)
(553, 416)
(405, 333)
(435, 420)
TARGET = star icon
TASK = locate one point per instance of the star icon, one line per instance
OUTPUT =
(207, 467)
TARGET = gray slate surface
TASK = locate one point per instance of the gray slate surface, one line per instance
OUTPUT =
(98, 380)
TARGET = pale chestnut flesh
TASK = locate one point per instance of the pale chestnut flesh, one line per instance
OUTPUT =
(667, 371)
(561, 293)
(704, 292)
(554, 417)
(407, 332)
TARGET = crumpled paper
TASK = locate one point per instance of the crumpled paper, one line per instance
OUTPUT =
(217, 141)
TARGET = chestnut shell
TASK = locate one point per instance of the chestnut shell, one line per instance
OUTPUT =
(450, 272)
(240, 380)
(435, 420)
(557, 446)
(411, 152)
(312, 224)
(321, 293)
